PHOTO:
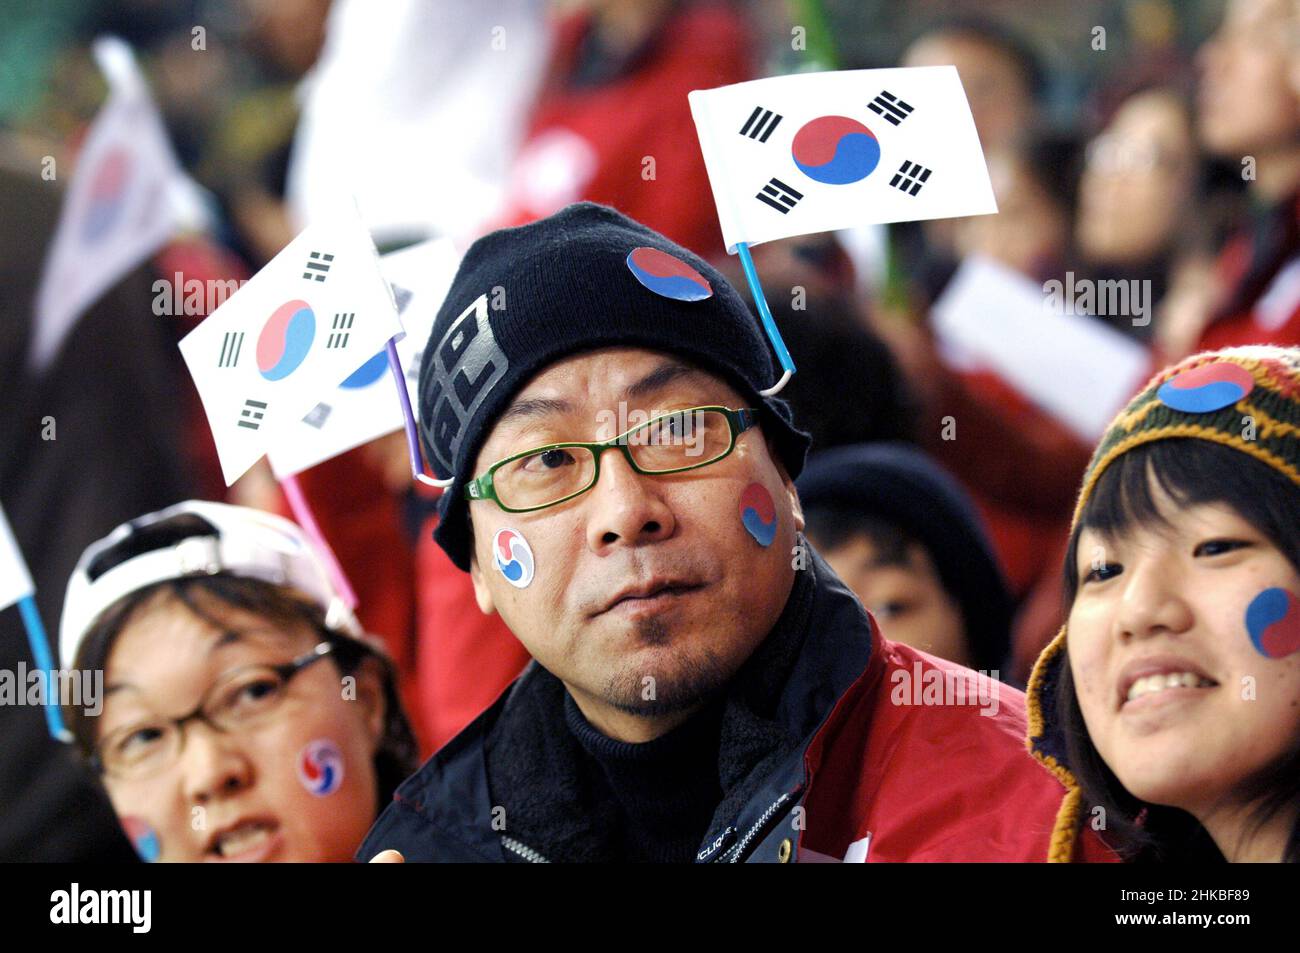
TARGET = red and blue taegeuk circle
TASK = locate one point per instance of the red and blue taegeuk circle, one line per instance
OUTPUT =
(106, 196)
(667, 275)
(143, 838)
(285, 340)
(514, 557)
(835, 150)
(1209, 387)
(321, 768)
(1273, 622)
(758, 513)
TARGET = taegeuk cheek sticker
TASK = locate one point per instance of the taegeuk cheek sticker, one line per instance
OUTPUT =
(320, 767)
(758, 513)
(513, 557)
(1273, 623)
(143, 838)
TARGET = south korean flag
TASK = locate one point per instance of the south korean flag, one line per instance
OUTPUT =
(816, 152)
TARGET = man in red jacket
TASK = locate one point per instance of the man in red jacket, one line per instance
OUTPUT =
(703, 688)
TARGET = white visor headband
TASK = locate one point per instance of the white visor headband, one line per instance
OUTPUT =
(247, 542)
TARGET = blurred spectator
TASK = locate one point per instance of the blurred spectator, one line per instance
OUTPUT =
(1004, 84)
(904, 537)
(612, 123)
(1002, 75)
(1138, 180)
(1147, 213)
(1250, 114)
(417, 112)
(1035, 180)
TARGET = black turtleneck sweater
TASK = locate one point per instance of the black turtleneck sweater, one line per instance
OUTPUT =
(571, 794)
(666, 789)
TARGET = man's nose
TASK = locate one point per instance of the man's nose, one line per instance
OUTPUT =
(625, 507)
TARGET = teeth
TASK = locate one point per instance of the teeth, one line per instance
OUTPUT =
(242, 838)
(1151, 684)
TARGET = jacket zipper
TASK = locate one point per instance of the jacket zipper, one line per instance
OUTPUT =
(733, 855)
(729, 856)
(523, 850)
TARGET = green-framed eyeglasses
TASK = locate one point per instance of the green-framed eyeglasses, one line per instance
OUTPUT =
(670, 443)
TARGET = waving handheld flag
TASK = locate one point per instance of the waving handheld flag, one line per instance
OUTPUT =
(127, 198)
(284, 342)
(815, 152)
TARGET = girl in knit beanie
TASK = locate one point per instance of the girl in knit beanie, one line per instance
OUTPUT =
(1169, 703)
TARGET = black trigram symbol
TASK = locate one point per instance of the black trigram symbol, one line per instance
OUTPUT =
(890, 106)
(318, 266)
(413, 368)
(779, 195)
(232, 342)
(401, 297)
(910, 177)
(339, 336)
(317, 415)
(760, 124)
(252, 414)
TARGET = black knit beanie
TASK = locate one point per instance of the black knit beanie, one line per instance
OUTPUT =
(900, 486)
(585, 278)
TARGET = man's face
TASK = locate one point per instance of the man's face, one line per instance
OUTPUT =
(649, 592)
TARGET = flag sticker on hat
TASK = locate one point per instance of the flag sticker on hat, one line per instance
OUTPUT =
(1207, 388)
(851, 147)
(667, 275)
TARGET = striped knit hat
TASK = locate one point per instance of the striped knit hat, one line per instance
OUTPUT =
(1247, 398)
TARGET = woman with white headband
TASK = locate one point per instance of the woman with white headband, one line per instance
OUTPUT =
(245, 715)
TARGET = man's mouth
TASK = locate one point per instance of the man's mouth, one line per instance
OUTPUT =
(249, 840)
(649, 596)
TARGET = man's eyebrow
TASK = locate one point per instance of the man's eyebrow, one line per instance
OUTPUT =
(534, 408)
(661, 376)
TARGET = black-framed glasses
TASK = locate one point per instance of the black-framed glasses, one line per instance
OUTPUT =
(242, 698)
(670, 443)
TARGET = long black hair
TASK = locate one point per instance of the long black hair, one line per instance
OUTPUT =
(396, 756)
(1190, 472)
